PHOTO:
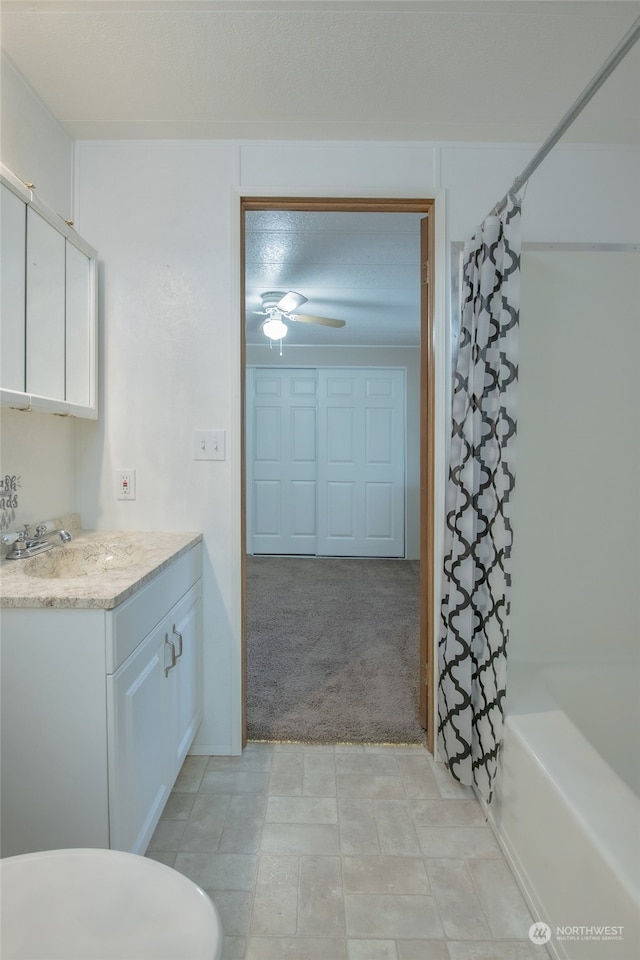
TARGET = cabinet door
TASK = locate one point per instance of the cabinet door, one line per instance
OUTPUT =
(139, 775)
(78, 327)
(185, 710)
(45, 308)
(13, 218)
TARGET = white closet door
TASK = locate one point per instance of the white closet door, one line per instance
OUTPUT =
(282, 461)
(361, 461)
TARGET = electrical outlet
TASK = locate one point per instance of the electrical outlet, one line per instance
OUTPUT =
(125, 484)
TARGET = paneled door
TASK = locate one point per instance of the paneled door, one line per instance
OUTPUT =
(361, 457)
(282, 470)
(326, 461)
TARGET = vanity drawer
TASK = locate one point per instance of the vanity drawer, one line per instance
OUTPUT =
(136, 617)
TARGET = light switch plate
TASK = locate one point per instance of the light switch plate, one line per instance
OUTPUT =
(209, 445)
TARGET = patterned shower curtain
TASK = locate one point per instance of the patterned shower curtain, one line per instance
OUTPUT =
(472, 652)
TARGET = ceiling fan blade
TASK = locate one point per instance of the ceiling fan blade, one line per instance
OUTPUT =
(324, 321)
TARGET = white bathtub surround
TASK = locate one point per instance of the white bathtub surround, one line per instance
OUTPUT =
(476, 582)
(569, 825)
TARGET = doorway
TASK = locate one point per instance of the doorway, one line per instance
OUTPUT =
(285, 207)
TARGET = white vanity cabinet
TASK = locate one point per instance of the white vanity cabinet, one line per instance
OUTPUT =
(153, 707)
(99, 708)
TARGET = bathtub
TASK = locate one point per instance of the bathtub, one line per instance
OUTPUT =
(566, 808)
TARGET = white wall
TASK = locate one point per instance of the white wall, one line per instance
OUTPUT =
(165, 218)
(407, 357)
(37, 448)
(576, 562)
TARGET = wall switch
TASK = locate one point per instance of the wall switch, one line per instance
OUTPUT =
(125, 484)
(209, 445)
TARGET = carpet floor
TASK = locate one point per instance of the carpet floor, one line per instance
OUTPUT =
(332, 650)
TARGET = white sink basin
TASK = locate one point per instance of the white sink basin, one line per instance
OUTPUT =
(84, 558)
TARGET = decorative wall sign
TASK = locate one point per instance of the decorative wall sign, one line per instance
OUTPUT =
(8, 499)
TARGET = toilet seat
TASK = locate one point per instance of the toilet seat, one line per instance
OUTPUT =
(91, 904)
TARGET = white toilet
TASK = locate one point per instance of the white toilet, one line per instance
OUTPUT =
(102, 905)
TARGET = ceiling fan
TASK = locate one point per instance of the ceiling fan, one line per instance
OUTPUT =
(278, 307)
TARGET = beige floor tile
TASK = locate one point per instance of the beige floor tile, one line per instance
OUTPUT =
(368, 764)
(235, 781)
(458, 903)
(178, 806)
(204, 827)
(419, 781)
(286, 774)
(364, 786)
(446, 813)
(218, 871)
(240, 836)
(300, 948)
(300, 838)
(396, 829)
(234, 948)
(234, 908)
(449, 788)
(301, 810)
(359, 837)
(319, 775)
(320, 905)
(191, 775)
(494, 950)
(167, 836)
(385, 875)
(354, 809)
(390, 917)
(372, 950)
(502, 902)
(248, 760)
(275, 907)
(461, 843)
(162, 856)
(422, 950)
(274, 834)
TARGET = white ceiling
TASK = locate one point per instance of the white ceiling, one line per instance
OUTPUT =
(328, 69)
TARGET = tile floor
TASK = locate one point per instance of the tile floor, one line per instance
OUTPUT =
(343, 853)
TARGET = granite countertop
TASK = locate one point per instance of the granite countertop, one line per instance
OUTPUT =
(98, 569)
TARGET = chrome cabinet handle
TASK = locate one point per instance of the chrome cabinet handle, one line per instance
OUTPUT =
(179, 636)
(173, 654)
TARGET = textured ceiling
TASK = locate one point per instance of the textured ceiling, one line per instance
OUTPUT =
(333, 69)
(475, 70)
(363, 268)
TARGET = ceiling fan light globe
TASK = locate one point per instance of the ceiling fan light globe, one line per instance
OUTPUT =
(275, 329)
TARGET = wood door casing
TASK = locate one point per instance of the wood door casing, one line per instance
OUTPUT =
(425, 655)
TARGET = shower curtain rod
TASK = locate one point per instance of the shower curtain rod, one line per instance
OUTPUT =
(607, 68)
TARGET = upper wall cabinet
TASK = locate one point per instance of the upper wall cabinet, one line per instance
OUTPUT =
(48, 323)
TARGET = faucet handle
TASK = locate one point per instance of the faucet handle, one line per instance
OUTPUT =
(9, 538)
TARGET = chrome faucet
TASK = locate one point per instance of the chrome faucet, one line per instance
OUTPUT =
(30, 542)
